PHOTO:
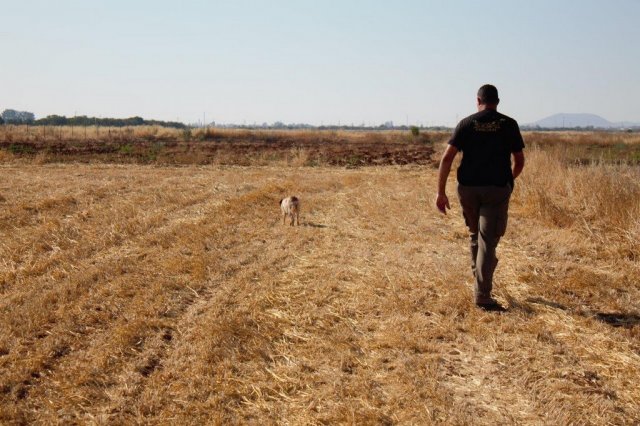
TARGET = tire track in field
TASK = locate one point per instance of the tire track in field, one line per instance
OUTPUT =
(112, 239)
(238, 287)
(36, 358)
(107, 254)
(242, 251)
(164, 335)
(219, 290)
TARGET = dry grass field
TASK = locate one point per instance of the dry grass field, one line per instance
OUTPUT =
(159, 294)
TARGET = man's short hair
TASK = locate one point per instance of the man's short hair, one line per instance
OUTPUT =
(488, 95)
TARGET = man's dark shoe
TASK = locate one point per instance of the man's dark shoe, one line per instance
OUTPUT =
(491, 306)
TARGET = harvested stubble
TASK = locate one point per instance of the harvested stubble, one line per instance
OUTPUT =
(173, 295)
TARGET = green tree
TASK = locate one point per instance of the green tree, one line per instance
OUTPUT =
(17, 117)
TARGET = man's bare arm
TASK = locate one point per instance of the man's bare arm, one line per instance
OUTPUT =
(442, 202)
(518, 163)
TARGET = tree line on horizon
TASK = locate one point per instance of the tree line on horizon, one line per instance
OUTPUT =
(11, 116)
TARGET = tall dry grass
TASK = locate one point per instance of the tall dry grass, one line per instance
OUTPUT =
(583, 219)
(600, 201)
(585, 148)
(26, 134)
(582, 138)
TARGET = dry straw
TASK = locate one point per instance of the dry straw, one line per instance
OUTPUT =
(134, 294)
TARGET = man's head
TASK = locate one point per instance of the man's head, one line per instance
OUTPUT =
(488, 97)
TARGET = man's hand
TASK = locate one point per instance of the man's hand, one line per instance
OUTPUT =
(442, 202)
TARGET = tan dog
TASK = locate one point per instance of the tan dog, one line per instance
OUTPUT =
(290, 206)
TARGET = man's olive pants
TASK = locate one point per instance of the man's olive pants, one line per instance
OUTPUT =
(485, 211)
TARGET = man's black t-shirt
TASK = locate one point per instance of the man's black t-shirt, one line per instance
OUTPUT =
(486, 140)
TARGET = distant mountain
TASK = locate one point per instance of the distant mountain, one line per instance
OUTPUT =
(565, 120)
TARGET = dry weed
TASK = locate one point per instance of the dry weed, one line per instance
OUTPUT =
(6, 156)
(601, 201)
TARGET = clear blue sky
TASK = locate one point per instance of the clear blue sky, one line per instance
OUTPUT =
(319, 61)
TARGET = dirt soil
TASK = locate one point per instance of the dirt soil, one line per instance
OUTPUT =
(372, 150)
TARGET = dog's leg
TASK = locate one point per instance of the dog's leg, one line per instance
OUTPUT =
(284, 218)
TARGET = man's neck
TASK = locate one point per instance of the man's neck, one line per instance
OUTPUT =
(483, 107)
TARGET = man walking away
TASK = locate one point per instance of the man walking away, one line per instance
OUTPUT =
(487, 140)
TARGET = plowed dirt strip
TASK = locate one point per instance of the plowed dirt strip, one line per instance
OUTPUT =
(184, 300)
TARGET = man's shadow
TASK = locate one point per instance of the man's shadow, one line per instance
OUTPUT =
(614, 319)
(618, 319)
(314, 225)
